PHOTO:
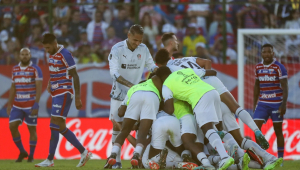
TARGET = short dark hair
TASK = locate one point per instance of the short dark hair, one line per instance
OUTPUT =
(267, 45)
(136, 29)
(163, 72)
(166, 36)
(48, 38)
(162, 56)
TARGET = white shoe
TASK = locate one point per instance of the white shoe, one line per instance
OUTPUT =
(85, 156)
(243, 162)
(225, 163)
(45, 163)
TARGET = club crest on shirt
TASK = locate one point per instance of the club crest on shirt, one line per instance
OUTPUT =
(139, 56)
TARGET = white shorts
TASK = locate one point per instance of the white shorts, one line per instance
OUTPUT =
(208, 108)
(163, 129)
(114, 108)
(188, 124)
(142, 105)
(216, 83)
(229, 120)
(172, 158)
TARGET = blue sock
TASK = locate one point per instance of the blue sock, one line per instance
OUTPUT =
(19, 144)
(280, 151)
(32, 145)
(69, 135)
(54, 140)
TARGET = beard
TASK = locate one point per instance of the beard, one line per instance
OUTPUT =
(25, 62)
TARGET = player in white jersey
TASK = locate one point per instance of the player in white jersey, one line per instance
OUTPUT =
(171, 44)
(127, 61)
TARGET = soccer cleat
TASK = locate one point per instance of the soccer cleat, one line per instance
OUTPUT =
(45, 163)
(117, 165)
(187, 158)
(261, 139)
(187, 165)
(244, 161)
(163, 157)
(253, 155)
(21, 156)
(225, 163)
(233, 152)
(111, 161)
(272, 164)
(30, 159)
(153, 165)
(135, 160)
(202, 168)
(85, 156)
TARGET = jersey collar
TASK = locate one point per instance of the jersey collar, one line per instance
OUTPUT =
(60, 48)
(30, 63)
(262, 61)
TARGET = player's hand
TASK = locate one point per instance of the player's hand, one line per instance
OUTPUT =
(34, 109)
(282, 109)
(78, 103)
(8, 109)
(116, 125)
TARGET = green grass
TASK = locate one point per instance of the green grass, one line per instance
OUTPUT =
(96, 164)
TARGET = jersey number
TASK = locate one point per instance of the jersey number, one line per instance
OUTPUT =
(191, 65)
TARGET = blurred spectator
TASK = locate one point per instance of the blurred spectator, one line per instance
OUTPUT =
(295, 22)
(219, 35)
(65, 35)
(75, 26)
(96, 29)
(121, 24)
(200, 11)
(190, 41)
(218, 18)
(106, 12)
(83, 40)
(155, 16)
(61, 13)
(111, 39)
(86, 12)
(179, 28)
(149, 30)
(10, 46)
(283, 11)
(252, 15)
(37, 52)
(86, 56)
(6, 8)
(202, 52)
(17, 14)
(217, 51)
(7, 24)
(36, 33)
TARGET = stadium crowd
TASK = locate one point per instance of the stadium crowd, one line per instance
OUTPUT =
(89, 31)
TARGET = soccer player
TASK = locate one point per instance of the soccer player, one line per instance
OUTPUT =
(24, 95)
(169, 40)
(127, 61)
(62, 69)
(270, 94)
(187, 86)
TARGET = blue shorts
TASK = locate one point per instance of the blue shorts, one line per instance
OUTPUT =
(17, 114)
(61, 105)
(265, 110)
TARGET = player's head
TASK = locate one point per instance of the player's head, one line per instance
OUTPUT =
(135, 36)
(267, 53)
(170, 40)
(151, 75)
(50, 43)
(163, 72)
(162, 57)
(25, 56)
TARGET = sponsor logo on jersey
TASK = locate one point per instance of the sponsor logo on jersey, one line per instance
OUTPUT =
(54, 86)
(123, 66)
(130, 66)
(54, 69)
(139, 56)
(275, 111)
(23, 80)
(267, 78)
(268, 96)
(56, 105)
(23, 96)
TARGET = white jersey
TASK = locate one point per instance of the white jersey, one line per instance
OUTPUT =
(128, 64)
(186, 62)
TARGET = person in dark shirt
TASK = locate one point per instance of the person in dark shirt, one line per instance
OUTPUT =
(75, 26)
(121, 24)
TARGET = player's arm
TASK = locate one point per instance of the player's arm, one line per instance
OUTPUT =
(256, 93)
(12, 93)
(38, 90)
(123, 107)
(204, 63)
(285, 89)
(76, 81)
(150, 65)
(168, 98)
(114, 65)
(202, 72)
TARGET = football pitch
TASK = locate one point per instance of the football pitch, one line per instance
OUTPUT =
(96, 164)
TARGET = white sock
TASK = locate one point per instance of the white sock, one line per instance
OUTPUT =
(116, 148)
(114, 136)
(155, 158)
(205, 150)
(229, 141)
(203, 159)
(233, 167)
(215, 141)
(139, 148)
(187, 152)
(254, 165)
(118, 158)
(214, 159)
(246, 144)
(246, 118)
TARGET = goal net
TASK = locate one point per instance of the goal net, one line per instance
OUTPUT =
(286, 44)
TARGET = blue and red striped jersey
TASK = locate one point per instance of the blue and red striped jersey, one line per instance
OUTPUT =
(59, 65)
(269, 81)
(24, 79)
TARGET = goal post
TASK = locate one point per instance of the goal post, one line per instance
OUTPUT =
(255, 38)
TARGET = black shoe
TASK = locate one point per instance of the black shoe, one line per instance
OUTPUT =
(22, 155)
(135, 161)
(110, 161)
(30, 159)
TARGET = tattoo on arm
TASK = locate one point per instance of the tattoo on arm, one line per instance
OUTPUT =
(123, 81)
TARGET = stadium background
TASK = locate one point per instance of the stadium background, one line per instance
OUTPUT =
(22, 23)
